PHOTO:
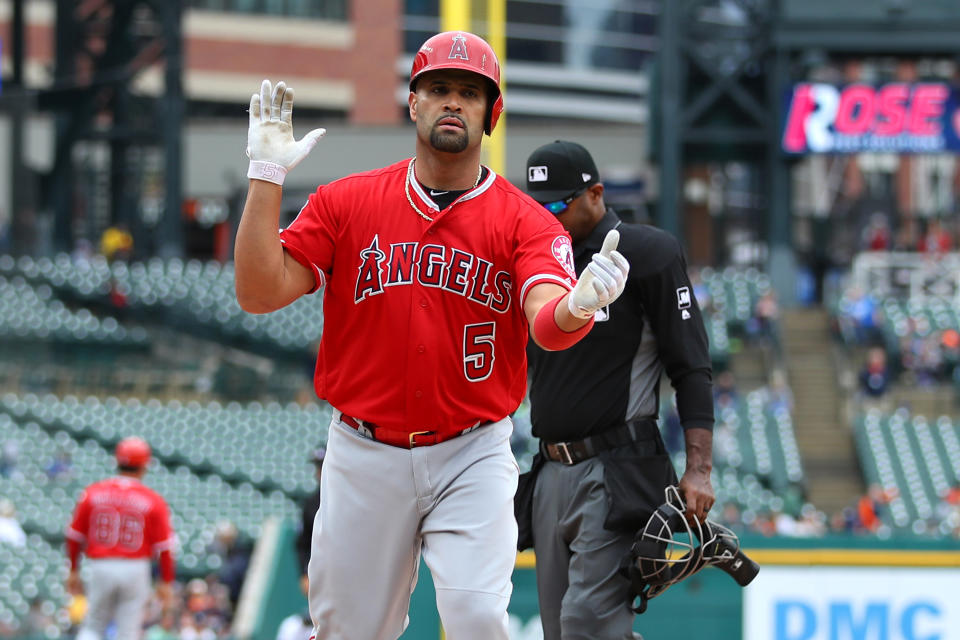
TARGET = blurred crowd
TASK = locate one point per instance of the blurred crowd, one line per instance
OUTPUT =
(201, 608)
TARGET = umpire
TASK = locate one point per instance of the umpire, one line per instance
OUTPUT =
(602, 465)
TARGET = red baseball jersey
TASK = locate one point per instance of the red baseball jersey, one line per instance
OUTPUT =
(424, 327)
(120, 517)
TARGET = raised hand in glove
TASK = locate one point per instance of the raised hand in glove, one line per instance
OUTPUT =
(602, 281)
(270, 144)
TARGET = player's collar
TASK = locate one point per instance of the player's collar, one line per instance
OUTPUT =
(424, 196)
(594, 241)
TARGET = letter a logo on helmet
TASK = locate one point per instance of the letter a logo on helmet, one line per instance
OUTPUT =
(467, 52)
(459, 48)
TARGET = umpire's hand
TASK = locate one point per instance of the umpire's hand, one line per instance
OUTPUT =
(695, 486)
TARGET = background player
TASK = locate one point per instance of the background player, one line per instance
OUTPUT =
(595, 408)
(120, 524)
(434, 269)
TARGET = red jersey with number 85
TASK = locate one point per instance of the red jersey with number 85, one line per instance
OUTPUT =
(121, 518)
(424, 327)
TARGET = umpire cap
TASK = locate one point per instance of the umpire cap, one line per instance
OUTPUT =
(559, 169)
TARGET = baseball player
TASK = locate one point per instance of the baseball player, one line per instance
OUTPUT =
(120, 524)
(434, 271)
(595, 407)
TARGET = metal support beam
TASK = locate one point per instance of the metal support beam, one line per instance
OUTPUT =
(670, 108)
(101, 47)
(172, 103)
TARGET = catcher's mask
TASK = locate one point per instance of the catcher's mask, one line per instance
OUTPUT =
(670, 548)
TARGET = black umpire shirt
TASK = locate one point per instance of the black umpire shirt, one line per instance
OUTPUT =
(612, 376)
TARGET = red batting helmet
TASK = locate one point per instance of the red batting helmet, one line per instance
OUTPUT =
(133, 452)
(462, 50)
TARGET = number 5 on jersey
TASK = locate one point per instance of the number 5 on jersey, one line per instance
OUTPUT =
(478, 350)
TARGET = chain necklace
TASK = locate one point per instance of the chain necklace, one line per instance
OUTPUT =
(411, 177)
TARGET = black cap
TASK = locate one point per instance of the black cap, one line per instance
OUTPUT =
(558, 169)
(317, 455)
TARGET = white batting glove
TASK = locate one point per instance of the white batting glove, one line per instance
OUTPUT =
(270, 144)
(602, 281)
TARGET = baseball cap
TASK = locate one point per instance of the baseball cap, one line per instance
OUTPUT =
(558, 169)
(317, 455)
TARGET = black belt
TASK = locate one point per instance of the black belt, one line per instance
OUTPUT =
(570, 453)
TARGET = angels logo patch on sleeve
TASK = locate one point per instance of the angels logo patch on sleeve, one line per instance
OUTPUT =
(563, 252)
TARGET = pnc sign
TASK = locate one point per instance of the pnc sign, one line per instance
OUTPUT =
(897, 117)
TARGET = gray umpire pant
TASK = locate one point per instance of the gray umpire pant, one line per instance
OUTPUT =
(582, 595)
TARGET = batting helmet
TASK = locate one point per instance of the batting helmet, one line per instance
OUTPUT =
(669, 548)
(133, 453)
(466, 51)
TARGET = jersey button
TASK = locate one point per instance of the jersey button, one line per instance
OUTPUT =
(421, 348)
(423, 302)
(418, 393)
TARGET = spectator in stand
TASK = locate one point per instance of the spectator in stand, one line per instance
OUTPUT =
(777, 394)
(116, 243)
(235, 555)
(937, 239)
(165, 628)
(40, 621)
(61, 467)
(700, 290)
(844, 521)
(950, 350)
(10, 530)
(725, 390)
(952, 496)
(872, 507)
(875, 375)
(876, 235)
(9, 459)
(863, 317)
(765, 314)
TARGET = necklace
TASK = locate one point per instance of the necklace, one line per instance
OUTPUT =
(411, 177)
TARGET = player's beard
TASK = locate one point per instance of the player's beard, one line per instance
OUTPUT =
(449, 142)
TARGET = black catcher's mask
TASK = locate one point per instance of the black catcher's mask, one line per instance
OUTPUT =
(670, 548)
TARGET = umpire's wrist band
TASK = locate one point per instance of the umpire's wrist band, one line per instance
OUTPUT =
(267, 171)
(549, 335)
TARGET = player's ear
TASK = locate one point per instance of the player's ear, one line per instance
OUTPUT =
(412, 104)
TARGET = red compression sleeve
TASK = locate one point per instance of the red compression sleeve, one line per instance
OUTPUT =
(549, 335)
(167, 567)
(73, 553)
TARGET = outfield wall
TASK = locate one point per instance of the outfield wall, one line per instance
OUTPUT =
(837, 588)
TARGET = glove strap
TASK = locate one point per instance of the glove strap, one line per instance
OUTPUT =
(577, 311)
(267, 171)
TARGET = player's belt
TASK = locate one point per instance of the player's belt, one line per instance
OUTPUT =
(403, 439)
(579, 450)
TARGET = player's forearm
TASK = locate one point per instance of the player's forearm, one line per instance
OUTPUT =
(167, 566)
(73, 553)
(258, 253)
(699, 447)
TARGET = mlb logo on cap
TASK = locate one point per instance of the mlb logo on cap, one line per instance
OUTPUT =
(537, 174)
(559, 169)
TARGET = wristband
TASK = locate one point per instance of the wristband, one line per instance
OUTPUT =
(549, 335)
(268, 171)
